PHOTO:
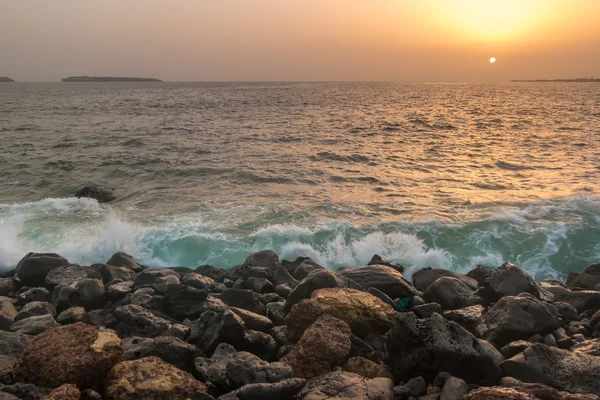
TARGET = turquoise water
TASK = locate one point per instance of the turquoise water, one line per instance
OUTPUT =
(441, 175)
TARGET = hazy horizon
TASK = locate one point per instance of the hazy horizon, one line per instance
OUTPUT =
(265, 40)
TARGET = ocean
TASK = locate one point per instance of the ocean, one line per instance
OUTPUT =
(423, 174)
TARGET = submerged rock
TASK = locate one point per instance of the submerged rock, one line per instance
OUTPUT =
(100, 194)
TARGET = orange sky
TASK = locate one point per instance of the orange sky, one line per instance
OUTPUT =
(431, 40)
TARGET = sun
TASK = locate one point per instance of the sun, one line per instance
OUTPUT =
(493, 60)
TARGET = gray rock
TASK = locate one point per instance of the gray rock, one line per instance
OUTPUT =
(8, 312)
(416, 386)
(198, 281)
(480, 274)
(7, 286)
(7, 369)
(33, 268)
(25, 391)
(386, 279)
(87, 293)
(212, 272)
(100, 194)
(35, 308)
(242, 298)
(346, 385)
(427, 310)
(382, 296)
(124, 260)
(466, 317)
(187, 302)
(423, 278)
(71, 315)
(27, 295)
(212, 329)
(514, 348)
(304, 268)
(283, 290)
(283, 390)
(589, 278)
(34, 325)
(259, 285)
(263, 264)
(110, 273)
(451, 293)
(134, 320)
(100, 318)
(276, 313)
(118, 291)
(510, 280)
(170, 349)
(70, 274)
(454, 389)
(157, 276)
(12, 344)
(426, 346)
(146, 297)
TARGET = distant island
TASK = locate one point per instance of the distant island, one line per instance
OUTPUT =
(107, 79)
(558, 80)
(5, 79)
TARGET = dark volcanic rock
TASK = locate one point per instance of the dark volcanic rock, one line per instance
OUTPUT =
(198, 281)
(212, 329)
(34, 325)
(510, 280)
(466, 317)
(78, 353)
(110, 272)
(134, 320)
(386, 279)
(71, 315)
(581, 300)
(426, 346)
(35, 308)
(367, 368)
(263, 264)
(87, 293)
(254, 321)
(425, 277)
(283, 390)
(304, 268)
(7, 286)
(589, 278)
(24, 391)
(212, 272)
(33, 268)
(187, 302)
(124, 260)
(69, 275)
(480, 274)
(346, 385)
(168, 348)
(100, 194)
(242, 298)
(450, 293)
(27, 295)
(8, 312)
(12, 343)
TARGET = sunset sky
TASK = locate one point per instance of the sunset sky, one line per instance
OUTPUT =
(307, 40)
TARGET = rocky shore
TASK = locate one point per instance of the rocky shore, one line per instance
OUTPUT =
(271, 329)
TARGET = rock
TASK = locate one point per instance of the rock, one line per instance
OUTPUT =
(157, 276)
(377, 260)
(90, 394)
(363, 312)
(71, 315)
(361, 349)
(318, 279)
(168, 348)
(454, 389)
(450, 293)
(590, 347)
(254, 321)
(581, 300)
(426, 346)
(77, 353)
(382, 296)
(258, 343)
(386, 279)
(283, 290)
(100, 318)
(188, 302)
(214, 273)
(242, 298)
(480, 274)
(212, 329)
(466, 317)
(367, 368)
(124, 260)
(7, 286)
(100, 194)
(150, 378)
(64, 392)
(423, 278)
(282, 390)
(560, 369)
(228, 369)
(589, 278)
(146, 297)
(27, 295)
(7, 369)
(33, 268)
(118, 291)
(346, 385)
(276, 313)
(498, 393)
(259, 285)
(12, 344)
(427, 310)
(263, 264)
(416, 386)
(516, 317)
(34, 325)
(514, 348)
(87, 293)
(510, 280)
(134, 320)
(69, 275)
(34, 309)
(25, 391)
(304, 268)
(198, 281)
(324, 345)
(8, 312)
(110, 273)
(567, 312)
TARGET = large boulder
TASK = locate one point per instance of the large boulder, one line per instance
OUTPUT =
(318, 279)
(228, 369)
(426, 276)
(146, 297)
(324, 345)
(581, 300)
(34, 309)
(589, 278)
(69, 275)
(517, 317)
(134, 320)
(124, 260)
(187, 302)
(243, 298)
(34, 325)
(561, 369)
(304, 268)
(263, 264)
(364, 312)
(111, 272)
(79, 354)
(467, 317)
(212, 329)
(7, 286)
(510, 280)
(98, 193)
(87, 293)
(157, 276)
(424, 347)
(450, 293)
(33, 268)
(386, 279)
(168, 348)
(212, 272)
(150, 378)
(346, 385)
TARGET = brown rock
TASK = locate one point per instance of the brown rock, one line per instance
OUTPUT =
(364, 312)
(325, 344)
(79, 354)
(498, 393)
(64, 392)
(149, 378)
(367, 368)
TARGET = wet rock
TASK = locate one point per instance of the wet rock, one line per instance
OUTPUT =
(560, 369)
(134, 320)
(263, 264)
(423, 278)
(110, 273)
(168, 348)
(157, 276)
(33, 268)
(342, 385)
(377, 260)
(450, 293)
(118, 291)
(25, 391)
(98, 193)
(71, 315)
(589, 278)
(124, 260)
(212, 329)
(466, 317)
(516, 317)
(324, 345)
(27, 295)
(242, 298)
(212, 272)
(64, 392)
(34, 325)
(150, 378)
(480, 274)
(318, 279)
(426, 346)
(304, 268)
(510, 280)
(363, 312)
(282, 390)
(12, 344)
(35, 308)
(367, 368)
(8, 312)
(386, 279)
(228, 369)
(254, 321)
(187, 302)
(7, 286)
(454, 389)
(77, 353)
(87, 293)
(70, 274)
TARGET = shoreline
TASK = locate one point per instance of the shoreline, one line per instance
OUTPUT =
(295, 330)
